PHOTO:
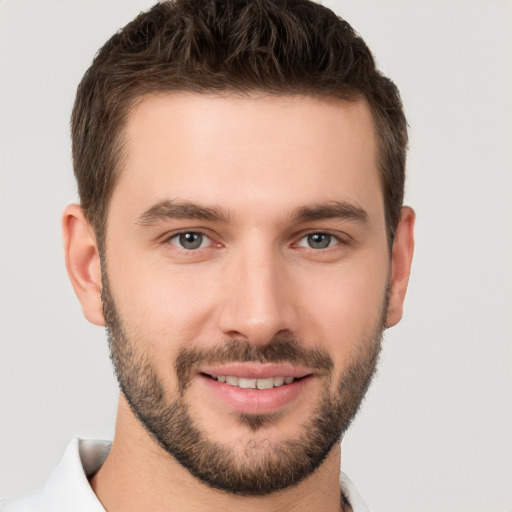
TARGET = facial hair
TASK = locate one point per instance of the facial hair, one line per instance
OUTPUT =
(265, 467)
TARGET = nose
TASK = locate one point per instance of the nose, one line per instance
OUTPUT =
(258, 301)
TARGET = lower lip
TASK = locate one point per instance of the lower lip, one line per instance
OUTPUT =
(256, 401)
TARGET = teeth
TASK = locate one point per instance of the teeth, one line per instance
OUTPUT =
(247, 383)
(278, 381)
(265, 383)
(268, 383)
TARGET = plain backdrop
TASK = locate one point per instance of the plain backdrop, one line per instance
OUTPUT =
(435, 432)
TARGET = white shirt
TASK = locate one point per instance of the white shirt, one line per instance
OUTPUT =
(68, 490)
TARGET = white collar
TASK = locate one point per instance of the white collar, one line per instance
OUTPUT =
(68, 487)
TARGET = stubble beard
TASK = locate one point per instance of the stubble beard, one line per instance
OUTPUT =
(265, 466)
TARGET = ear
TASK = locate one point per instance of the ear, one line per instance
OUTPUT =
(83, 262)
(401, 260)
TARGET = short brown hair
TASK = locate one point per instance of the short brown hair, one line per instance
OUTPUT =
(274, 46)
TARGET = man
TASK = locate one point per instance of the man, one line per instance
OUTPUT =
(242, 237)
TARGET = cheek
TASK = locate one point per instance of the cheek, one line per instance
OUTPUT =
(345, 308)
(168, 305)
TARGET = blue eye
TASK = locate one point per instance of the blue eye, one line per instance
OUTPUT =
(190, 240)
(318, 241)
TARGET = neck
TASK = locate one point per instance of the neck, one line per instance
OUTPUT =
(139, 475)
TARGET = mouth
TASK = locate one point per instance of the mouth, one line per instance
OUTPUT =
(248, 383)
(249, 388)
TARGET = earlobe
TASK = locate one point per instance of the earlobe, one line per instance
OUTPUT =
(83, 262)
(401, 260)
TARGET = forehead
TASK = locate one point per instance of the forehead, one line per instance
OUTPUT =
(259, 148)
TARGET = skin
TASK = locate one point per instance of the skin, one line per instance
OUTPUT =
(257, 160)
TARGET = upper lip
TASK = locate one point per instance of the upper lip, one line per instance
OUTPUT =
(256, 370)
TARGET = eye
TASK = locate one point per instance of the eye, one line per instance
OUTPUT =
(318, 241)
(190, 240)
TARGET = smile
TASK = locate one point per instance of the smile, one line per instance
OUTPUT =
(254, 388)
(246, 383)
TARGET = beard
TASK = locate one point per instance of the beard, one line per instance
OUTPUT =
(265, 467)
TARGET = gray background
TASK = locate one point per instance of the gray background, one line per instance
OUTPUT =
(435, 433)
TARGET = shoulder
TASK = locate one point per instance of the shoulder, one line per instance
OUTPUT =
(27, 503)
(68, 487)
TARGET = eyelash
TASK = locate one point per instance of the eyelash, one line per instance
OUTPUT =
(331, 238)
(169, 239)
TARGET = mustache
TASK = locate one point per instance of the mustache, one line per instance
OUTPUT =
(280, 349)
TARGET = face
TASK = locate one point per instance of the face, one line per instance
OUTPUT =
(245, 280)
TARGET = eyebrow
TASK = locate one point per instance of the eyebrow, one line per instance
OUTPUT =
(165, 210)
(331, 210)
